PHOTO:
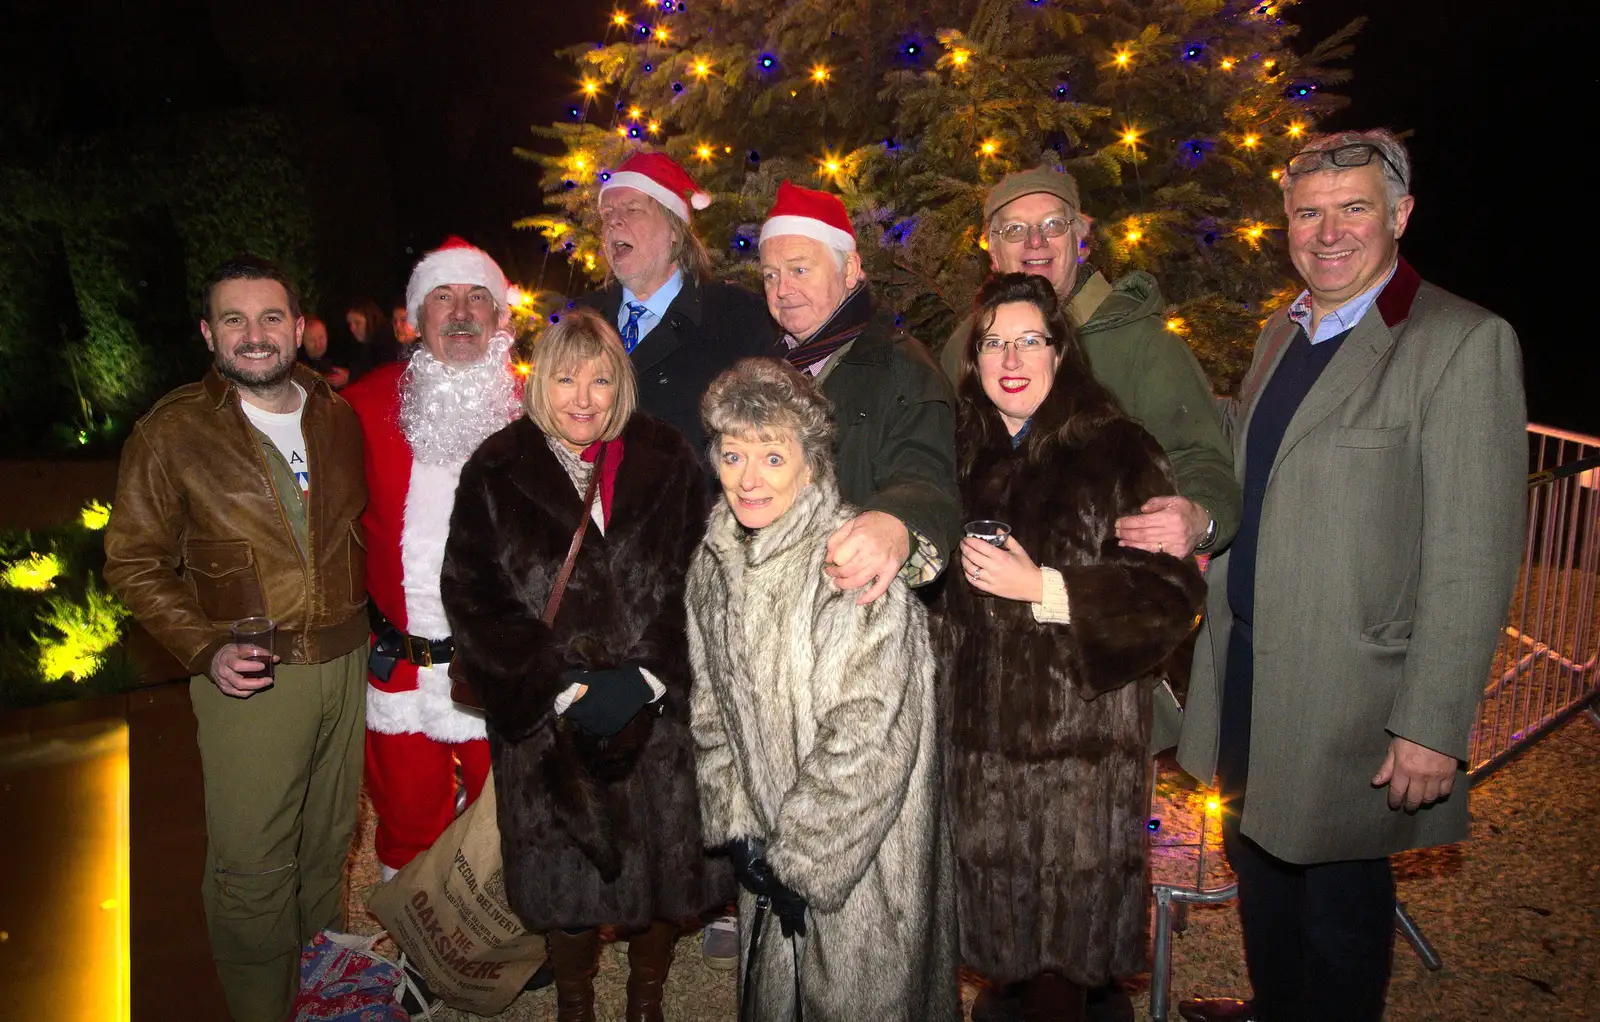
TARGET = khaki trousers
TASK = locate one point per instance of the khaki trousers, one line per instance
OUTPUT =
(282, 773)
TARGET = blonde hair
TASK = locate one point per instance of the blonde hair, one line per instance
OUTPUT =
(582, 334)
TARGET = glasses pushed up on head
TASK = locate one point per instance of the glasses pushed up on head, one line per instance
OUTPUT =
(1027, 344)
(1050, 227)
(1356, 154)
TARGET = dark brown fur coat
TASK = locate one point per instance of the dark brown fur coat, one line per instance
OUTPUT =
(1047, 762)
(590, 836)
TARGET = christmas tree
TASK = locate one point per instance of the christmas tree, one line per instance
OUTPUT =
(1175, 116)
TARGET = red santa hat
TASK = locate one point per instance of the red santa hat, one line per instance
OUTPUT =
(658, 176)
(454, 262)
(811, 214)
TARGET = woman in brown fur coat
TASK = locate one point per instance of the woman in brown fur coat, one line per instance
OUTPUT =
(1047, 638)
(588, 718)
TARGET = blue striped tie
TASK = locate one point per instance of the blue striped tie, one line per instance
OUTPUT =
(630, 329)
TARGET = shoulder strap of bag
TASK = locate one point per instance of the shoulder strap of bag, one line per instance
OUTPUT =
(558, 590)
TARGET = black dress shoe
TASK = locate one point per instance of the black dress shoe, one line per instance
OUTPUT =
(1109, 1003)
(542, 977)
(1217, 1009)
(997, 1004)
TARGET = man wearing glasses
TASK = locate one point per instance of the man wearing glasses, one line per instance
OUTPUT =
(1034, 225)
(1379, 441)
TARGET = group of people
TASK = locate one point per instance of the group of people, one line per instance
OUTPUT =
(705, 572)
(375, 340)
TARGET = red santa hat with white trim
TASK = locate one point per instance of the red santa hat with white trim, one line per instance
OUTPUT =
(457, 261)
(661, 178)
(811, 214)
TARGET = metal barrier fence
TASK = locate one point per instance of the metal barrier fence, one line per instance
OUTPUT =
(1547, 668)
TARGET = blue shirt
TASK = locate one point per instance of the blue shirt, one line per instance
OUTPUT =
(655, 306)
(1340, 320)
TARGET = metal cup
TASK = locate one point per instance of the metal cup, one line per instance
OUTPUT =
(255, 636)
(991, 532)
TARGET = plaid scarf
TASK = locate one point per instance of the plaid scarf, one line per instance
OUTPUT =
(844, 326)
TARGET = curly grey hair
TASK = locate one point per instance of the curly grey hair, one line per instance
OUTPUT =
(761, 397)
(1395, 167)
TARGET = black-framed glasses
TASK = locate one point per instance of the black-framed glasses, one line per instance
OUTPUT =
(1050, 227)
(1355, 154)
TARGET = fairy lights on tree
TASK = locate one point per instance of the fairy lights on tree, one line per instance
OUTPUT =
(1174, 115)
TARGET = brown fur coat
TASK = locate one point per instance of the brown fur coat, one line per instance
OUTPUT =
(1047, 730)
(589, 836)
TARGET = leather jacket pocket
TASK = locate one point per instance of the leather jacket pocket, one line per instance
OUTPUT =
(226, 581)
(356, 554)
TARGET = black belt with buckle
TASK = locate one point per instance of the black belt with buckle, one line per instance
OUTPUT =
(391, 645)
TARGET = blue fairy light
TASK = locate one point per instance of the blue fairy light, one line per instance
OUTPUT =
(666, 5)
(648, 68)
(572, 305)
(1153, 824)
(574, 113)
(1192, 151)
(567, 246)
(767, 62)
(644, 29)
(569, 185)
(1061, 91)
(1301, 90)
(1194, 51)
(677, 86)
(741, 242)
(890, 144)
(633, 132)
(755, 157)
(605, 175)
(555, 317)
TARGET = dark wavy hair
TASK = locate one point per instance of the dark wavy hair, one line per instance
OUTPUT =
(1078, 406)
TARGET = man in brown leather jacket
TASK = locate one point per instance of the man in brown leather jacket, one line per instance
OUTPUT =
(240, 496)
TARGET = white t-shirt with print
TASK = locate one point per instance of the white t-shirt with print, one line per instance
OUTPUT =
(283, 429)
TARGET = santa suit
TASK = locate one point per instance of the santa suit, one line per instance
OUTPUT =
(415, 734)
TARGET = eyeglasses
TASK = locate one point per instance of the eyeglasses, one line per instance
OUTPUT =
(1050, 227)
(1356, 154)
(1027, 344)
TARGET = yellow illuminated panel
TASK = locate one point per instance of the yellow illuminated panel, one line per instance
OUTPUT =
(64, 896)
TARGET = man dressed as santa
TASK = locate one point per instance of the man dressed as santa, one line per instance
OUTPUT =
(421, 420)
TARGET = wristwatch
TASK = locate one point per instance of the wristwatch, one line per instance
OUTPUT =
(1209, 538)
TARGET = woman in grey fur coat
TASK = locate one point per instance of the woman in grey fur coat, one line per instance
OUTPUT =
(815, 727)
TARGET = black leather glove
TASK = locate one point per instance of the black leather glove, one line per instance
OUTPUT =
(614, 696)
(754, 873)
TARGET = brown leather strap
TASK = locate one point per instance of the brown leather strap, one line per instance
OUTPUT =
(460, 690)
(558, 590)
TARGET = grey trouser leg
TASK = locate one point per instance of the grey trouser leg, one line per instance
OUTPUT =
(282, 771)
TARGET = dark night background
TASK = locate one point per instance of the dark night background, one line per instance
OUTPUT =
(405, 114)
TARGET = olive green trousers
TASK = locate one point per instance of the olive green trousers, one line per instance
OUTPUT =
(282, 781)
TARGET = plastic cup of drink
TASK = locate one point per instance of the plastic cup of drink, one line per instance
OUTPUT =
(254, 635)
(991, 532)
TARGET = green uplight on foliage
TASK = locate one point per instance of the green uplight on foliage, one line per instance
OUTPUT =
(36, 573)
(95, 515)
(86, 630)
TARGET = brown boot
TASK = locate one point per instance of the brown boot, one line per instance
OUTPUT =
(575, 958)
(649, 958)
(1051, 997)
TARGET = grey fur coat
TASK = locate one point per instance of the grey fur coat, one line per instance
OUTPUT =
(815, 726)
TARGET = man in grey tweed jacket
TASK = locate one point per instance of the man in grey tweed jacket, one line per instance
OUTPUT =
(1379, 442)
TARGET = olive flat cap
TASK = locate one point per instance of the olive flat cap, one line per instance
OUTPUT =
(1027, 182)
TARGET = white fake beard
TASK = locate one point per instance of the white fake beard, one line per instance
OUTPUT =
(447, 410)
